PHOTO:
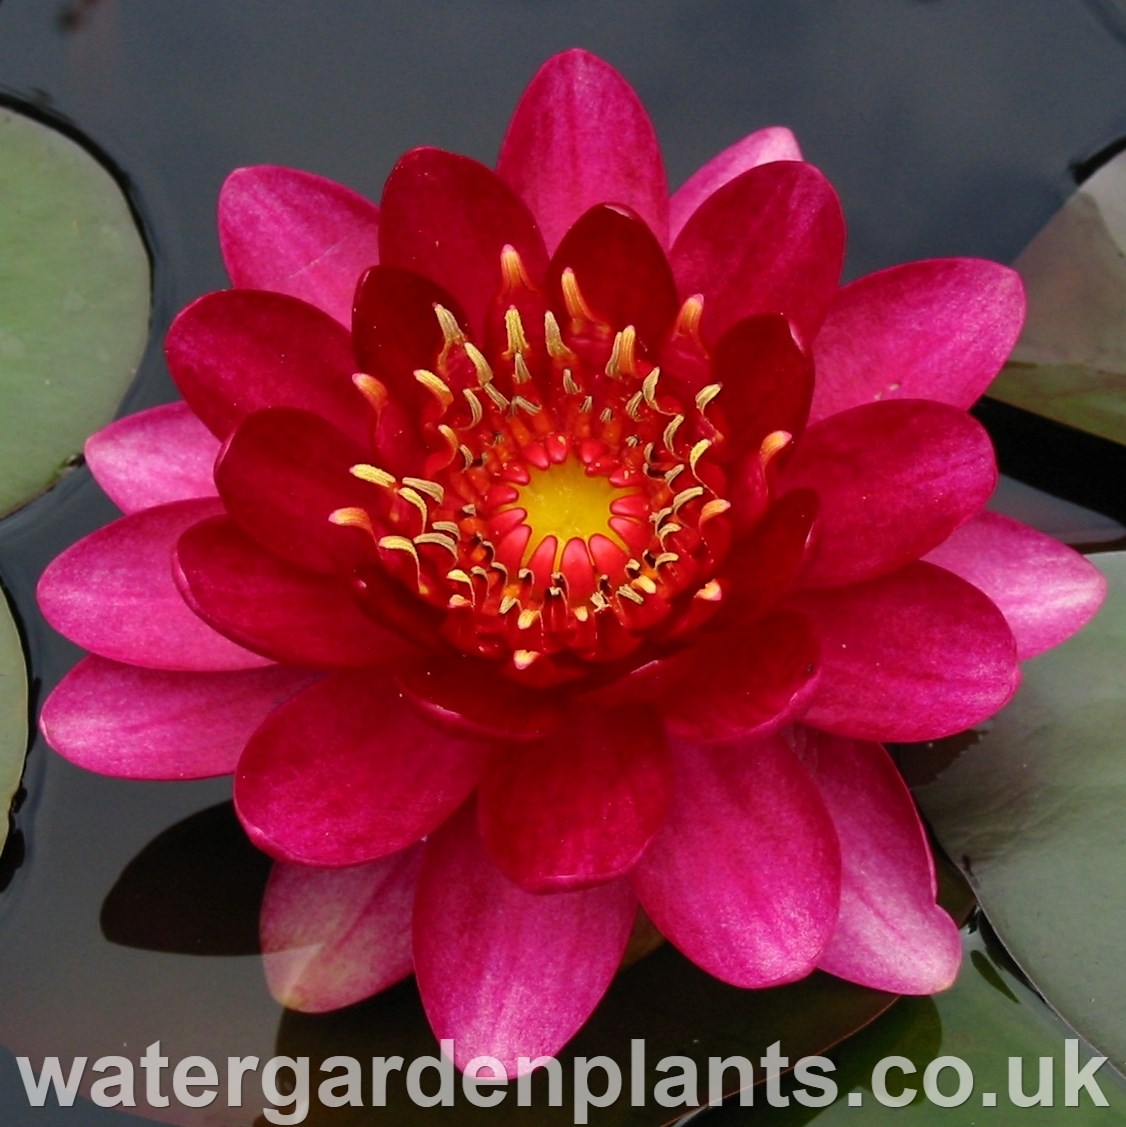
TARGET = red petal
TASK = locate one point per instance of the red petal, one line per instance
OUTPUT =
(448, 218)
(916, 655)
(468, 694)
(890, 934)
(347, 772)
(1045, 590)
(939, 329)
(293, 616)
(745, 876)
(282, 475)
(621, 272)
(504, 972)
(299, 234)
(769, 241)
(137, 723)
(238, 351)
(894, 480)
(153, 457)
(113, 594)
(332, 937)
(578, 807)
(746, 681)
(579, 137)
(767, 382)
(766, 145)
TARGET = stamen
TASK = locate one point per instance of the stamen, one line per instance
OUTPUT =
(689, 316)
(399, 544)
(524, 658)
(556, 349)
(698, 451)
(573, 298)
(520, 371)
(371, 389)
(519, 403)
(414, 498)
(352, 518)
(514, 329)
(373, 474)
(476, 411)
(623, 358)
(706, 394)
(569, 384)
(484, 371)
(772, 445)
(440, 539)
(512, 267)
(436, 386)
(649, 387)
(669, 437)
(431, 488)
(633, 406)
(451, 330)
(499, 401)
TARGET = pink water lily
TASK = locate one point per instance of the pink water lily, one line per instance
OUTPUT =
(535, 547)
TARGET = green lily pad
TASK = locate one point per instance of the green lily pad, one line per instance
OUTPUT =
(1070, 363)
(988, 1018)
(1033, 813)
(74, 303)
(13, 715)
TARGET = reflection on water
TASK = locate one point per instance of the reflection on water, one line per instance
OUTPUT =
(949, 129)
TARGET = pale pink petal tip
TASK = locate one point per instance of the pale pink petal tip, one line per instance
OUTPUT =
(153, 457)
(333, 937)
(890, 934)
(295, 233)
(1046, 590)
(504, 972)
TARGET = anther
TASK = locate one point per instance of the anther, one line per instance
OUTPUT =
(706, 394)
(553, 338)
(451, 330)
(569, 384)
(436, 386)
(371, 389)
(484, 372)
(373, 474)
(514, 329)
(499, 401)
(573, 298)
(520, 371)
(431, 488)
(512, 267)
(476, 411)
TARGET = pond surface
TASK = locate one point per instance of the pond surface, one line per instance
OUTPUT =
(948, 127)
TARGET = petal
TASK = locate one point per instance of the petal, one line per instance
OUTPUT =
(769, 241)
(282, 475)
(893, 479)
(261, 602)
(448, 218)
(137, 723)
(1045, 590)
(745, 875)
(766, 382)
(916, 655)
(113, 594)
(761, 147)
(347, 772)
(332, 937)
(621, 271)
(890, 934)
(938, 329)
(746, 681)
(579, 137)
(578, 807)
(469, 695)
(237, 351)
(153, 457)
(289, 231)
(504, 972)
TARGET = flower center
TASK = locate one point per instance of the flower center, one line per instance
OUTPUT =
(568, 508)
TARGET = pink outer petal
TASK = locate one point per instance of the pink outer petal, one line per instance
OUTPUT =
(298, 234)
(578, 807)
(1045, 590)
(332, 937)
(508, 973)
(579, 137)
(769, 241)
(113, 594)
(916, 655)
(448, 218)
(893, 480)
(745, 875)
(153, 457)
(938, 329)
(761, 147)
(137, 723)
(274, 608)
(890, 934)
(238, 351)
(348, 772)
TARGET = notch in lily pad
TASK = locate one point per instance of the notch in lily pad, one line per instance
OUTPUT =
(75, 296)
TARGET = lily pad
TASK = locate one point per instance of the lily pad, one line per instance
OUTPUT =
(74, 302)
(13, 715)
(1070, 363)
(1033, 813)
(988, 1018)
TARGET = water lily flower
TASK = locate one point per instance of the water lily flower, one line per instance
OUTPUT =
(535, 547)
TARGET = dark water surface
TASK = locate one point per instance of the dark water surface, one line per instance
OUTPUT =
(949, 127)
